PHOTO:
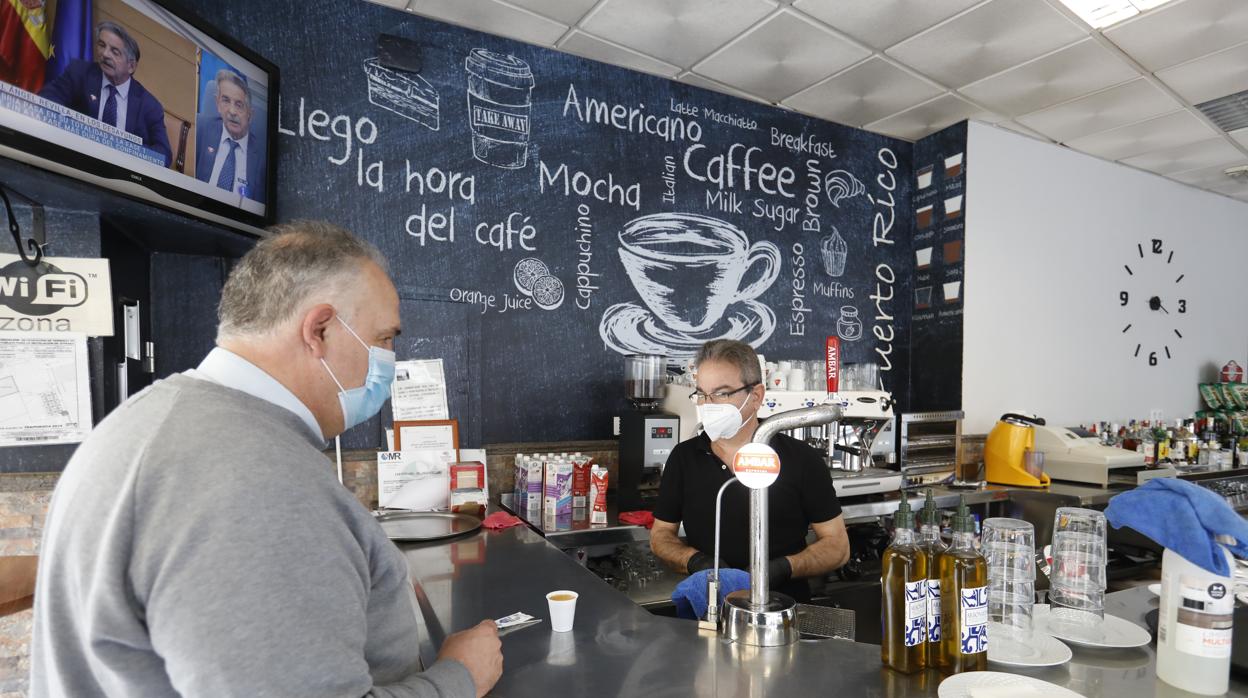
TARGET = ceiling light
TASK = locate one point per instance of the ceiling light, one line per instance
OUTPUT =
(1103, 13)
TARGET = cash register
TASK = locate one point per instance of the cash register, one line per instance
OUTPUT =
(1080, 457)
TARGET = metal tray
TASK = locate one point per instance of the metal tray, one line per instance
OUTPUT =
(424, 526)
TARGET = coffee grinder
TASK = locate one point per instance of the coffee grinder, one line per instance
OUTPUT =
(647, 434)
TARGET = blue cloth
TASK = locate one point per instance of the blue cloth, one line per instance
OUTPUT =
(1183, 517)
(78, 87)
(690, 594)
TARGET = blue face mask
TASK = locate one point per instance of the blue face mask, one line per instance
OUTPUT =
(359, 404)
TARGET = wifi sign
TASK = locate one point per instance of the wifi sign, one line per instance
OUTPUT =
(40, 290)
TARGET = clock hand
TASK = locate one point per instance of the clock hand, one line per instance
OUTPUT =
(1163, 308)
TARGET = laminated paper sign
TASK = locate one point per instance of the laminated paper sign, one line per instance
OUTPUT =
(419, 390)
(417, 480)
(61, 294)
(45, 396)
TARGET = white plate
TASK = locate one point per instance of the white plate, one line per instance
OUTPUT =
(1154, 589)
(1113, 633)
(1006, 647)
(960, 685)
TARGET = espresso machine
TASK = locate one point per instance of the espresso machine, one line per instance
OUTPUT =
(866, 410)
(647, 434)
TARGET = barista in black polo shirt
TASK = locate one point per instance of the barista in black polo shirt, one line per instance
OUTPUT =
(729, 392)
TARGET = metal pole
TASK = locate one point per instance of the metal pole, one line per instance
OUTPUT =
(758, 548)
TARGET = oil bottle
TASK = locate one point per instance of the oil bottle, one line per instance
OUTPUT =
(963, 599)
(932, 546)
(903, 583)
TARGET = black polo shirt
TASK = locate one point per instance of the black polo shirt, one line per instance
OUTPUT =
(800, 496)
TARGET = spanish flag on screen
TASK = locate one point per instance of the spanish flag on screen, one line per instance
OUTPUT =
(24, 43)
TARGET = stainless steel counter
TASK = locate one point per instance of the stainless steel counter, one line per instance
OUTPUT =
(618, 649)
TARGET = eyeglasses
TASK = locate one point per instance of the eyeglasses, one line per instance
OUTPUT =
(697, 397)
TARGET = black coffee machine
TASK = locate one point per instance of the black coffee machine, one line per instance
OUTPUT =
(647, 434)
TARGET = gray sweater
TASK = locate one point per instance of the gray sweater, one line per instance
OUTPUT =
(198, 544)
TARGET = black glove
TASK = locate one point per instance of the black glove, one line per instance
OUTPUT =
(701, 561)
(779, 571)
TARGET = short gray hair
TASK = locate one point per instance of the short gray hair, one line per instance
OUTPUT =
(282, 272)
(132, 46)
(226, 75)
(738, 354)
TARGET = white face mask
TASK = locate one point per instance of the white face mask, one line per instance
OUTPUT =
(721, 421)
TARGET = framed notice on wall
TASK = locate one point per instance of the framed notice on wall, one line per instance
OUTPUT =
(427, 435)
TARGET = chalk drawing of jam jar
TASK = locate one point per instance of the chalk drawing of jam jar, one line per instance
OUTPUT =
(499, 88)
(849, 327)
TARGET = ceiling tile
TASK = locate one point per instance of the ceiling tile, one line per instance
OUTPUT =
(1182, 31)
(1213, 179)
(494, 18)
(882, 23)
(1068, 73)
(1215, 75)
(929, 117)
(566, 11)
(864, 93)
(681, 33)
(1190, 156)
(1019, 128)
(989, 39)
(586, 46)
(709, 84)
(781, 56)
(1117, 106)
(1171, 130)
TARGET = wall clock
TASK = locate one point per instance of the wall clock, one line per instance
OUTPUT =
(1152, 301)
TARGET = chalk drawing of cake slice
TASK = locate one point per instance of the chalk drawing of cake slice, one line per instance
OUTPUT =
(407, 94)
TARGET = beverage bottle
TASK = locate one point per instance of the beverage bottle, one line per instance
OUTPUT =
(933, 546)
(1194, 624)
(963, 599)
(903, 583)
(1148, 446)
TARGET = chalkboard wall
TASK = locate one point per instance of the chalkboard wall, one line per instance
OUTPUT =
(544, 214)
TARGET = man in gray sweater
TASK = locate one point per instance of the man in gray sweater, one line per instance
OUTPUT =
(198, 543)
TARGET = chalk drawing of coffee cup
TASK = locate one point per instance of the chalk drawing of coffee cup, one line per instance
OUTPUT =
(499, 89)
(924, 216)
(923, 297)
(952, 290)
(666, 254)
(923, 258)
(925, 177)
(953, 165)
(953, 207)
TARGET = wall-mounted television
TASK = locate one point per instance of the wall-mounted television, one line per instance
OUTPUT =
(144, 98)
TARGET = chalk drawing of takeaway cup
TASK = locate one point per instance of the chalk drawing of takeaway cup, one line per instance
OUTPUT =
(499, 88)
(689, 268)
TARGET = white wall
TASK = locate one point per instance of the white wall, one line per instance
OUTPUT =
(1048, 231)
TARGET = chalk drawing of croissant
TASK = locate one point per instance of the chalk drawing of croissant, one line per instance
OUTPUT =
(841, 184)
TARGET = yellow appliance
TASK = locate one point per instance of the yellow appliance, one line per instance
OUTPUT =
(1008, 442)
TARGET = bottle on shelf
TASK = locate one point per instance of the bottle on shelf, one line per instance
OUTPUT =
(963, 599)
(903, 583)
(933, 546)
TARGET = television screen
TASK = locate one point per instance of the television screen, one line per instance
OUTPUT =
(139, 96)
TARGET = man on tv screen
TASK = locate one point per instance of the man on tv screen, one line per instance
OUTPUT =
(228, 154)
(106, 91)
